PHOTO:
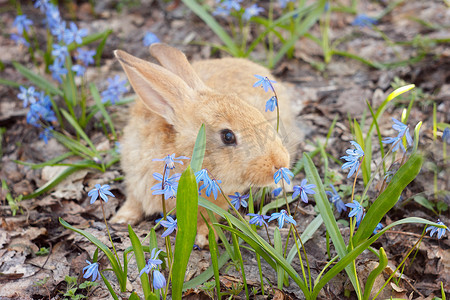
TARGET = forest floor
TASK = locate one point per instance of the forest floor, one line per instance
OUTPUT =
(339, 91)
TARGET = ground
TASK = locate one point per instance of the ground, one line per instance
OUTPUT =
(340, 90)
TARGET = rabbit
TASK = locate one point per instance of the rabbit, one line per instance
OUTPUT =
(243, 148)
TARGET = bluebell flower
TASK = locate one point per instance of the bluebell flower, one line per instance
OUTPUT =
(352, 158)
(170, 160)
(86, 56)
(283, 173)
(221, 12)
(79, 70)
(282, 217)
(22, 23)
(91, 270)
(27, 95)
(357, 210)
(170, 185)
(283, 3)
(115, 90)
(46, 134)
(54, 21)
(336, 200)
(213, 187)
(58, 69)
(158, 279)
(251, 11)
(403, 131)
(446, 135)
(258, 219)
(152, 262)
(271, 104)
(58, 30)
(277, 191)
(150, 38)
(170, 224)
(231, 4)
(378, 228)
(440, 231)
(33, 116)
(73, 34)
(303, 190)
(102, 191)
(60, 52)
(264, 82)
(20, 40)
(362, 20)
(238, 200)
(41, 4)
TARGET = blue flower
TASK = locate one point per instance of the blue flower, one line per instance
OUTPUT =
(258, 219)
(150, 38)
(213, 187)
(22, 23)
(226, 6)
(115, 90)
(73, 34)
(170, 185)
(303, 190)
(283, 173)
(202, 175)
(362, 20)
(277, 191)
(33, 115)
(264, 82)
(41, 4)
(440, 231)
(46, 134)
(446, 135)
(282, 216)
(60, 52)
(403, 131)
(91, 270)
(58, 30)
(238, 200)
(58, 70)
(158, 279)
(27, 95)
(170, 224)
(102, 191)
(357, 210)
(378, 228)
(352, 158)
(170, 160)
(86, 56)
(152, 262)
(283, 3)
(53, 19)
(20, 40)
(79, 70)
(251, 11)
(336, 200)
(271, 104)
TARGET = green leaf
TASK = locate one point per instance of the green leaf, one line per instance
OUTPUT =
(187, 212)
(98, 102)
(73, 145)
(201, 12)
(214, 251)
(327, 215)
(388, 197)
(110, 288)
(9, 83)
(279, 249)
(121, 277)
(367, 152)
(374, 274)
(199, 150)
(140, 260)
(38, 80)
(90, 39)
(424, 202)
(79, 130)
(134, 296)
(50, 162)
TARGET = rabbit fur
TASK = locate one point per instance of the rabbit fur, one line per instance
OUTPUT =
(174, 100)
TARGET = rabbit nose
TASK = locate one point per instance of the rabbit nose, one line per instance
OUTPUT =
(280, 160)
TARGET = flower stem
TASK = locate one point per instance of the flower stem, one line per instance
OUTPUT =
(107, 229)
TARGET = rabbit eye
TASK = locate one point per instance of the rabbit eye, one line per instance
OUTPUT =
(228, 137)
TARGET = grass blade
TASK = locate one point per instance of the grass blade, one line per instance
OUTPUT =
(98, 102)
(38, 80)
(199, 150)
(140, 260)
(79, 130)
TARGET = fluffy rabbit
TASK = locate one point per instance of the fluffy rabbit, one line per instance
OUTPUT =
(242, 146)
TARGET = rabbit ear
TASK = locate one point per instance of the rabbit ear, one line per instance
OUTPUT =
(162, 91)
(175, 61)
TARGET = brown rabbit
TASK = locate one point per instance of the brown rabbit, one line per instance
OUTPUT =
(175, 99)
